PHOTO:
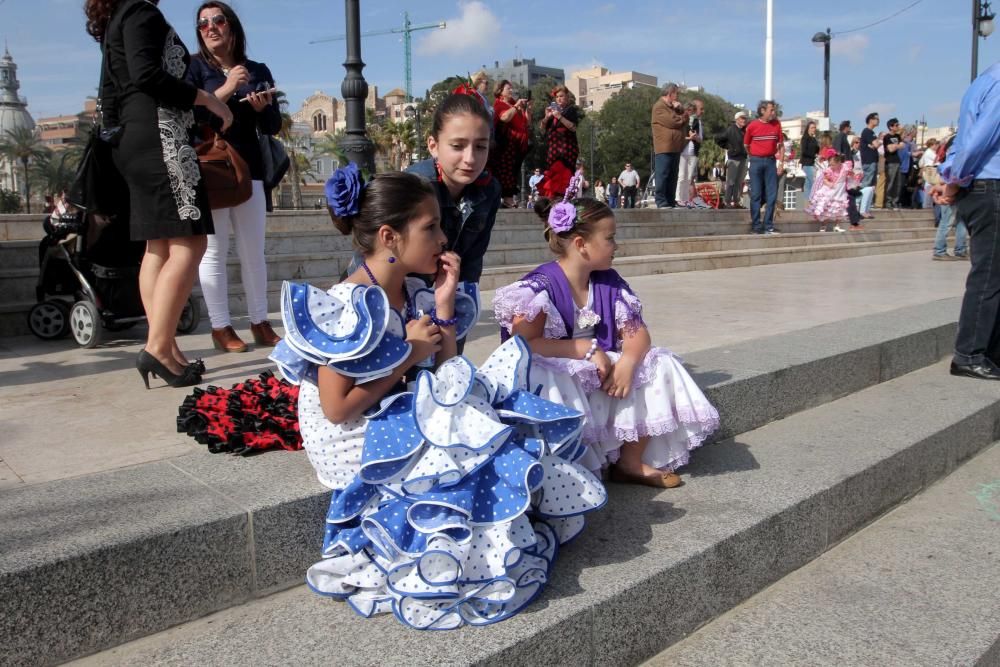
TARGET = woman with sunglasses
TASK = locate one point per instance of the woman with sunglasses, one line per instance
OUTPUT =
(222, 68)
(144, 94)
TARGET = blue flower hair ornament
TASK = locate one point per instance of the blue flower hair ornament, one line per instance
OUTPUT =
(343, 191)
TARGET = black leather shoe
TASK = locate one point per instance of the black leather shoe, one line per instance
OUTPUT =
(986, 370)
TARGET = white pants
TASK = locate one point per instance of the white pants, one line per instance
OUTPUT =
(246, 222)
(686, 174)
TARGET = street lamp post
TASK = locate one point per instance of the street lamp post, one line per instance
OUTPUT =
(412, 112)
(982, 26)
(824, 39)
(356, 145)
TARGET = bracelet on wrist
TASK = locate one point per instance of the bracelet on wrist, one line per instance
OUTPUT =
(592, 351)
(443, 323)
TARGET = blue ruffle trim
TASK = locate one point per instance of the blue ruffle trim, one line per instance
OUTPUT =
(468, 485)
(352, 329)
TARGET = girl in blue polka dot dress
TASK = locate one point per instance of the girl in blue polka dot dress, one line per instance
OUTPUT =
(452, 486)
(644, 412)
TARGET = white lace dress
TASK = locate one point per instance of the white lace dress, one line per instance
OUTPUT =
(665, 403)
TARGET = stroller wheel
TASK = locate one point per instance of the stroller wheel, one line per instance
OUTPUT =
(49, 320)
(85, 323)
(190, 317)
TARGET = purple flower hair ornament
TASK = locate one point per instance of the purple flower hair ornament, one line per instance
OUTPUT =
(562, 217)
(343, 190)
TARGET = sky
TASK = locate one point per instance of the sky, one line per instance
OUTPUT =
(916, 65)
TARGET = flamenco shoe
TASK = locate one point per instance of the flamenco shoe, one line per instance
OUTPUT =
(225, 339)
(667, 480)
(264, 335)
(197, 366)
(147, 364)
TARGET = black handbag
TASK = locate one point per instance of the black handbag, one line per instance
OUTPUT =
(275, 158)
(98, 186)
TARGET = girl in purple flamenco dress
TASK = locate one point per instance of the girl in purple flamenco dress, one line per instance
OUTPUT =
(591, 351)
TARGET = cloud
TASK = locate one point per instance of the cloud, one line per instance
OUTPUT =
(607, 8)
(851, 47)
(477, 28)
(881, 108)
(914, 53)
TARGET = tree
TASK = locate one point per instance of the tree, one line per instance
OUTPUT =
(626, 134)
(24, 146)
(10, 201)
(54, 172)
(294, 148)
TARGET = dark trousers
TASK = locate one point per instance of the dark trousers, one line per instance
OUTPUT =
(629, 192)
(978, 330)
(666, 166)
(893, 184)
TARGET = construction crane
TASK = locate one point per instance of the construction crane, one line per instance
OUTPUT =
(406, 30)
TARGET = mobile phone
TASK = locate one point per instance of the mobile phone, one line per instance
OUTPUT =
(269, 90)
(527, 95)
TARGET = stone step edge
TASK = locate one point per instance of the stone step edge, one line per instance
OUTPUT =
(746, 382)
(924, 544)
(724, 542)
(30, 272)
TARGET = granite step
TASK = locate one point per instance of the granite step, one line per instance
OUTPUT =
(917, 588)
(653, 566)
(648, 257)
(686, 222)
(95, 561)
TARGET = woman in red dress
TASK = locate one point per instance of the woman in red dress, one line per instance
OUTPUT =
(559, 125)
(511, 122)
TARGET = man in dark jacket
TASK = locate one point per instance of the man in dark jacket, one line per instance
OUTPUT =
(736, 159)
(842, 141)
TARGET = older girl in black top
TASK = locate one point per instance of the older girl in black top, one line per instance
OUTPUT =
(144, 92)
(222, 68)
(808, 150)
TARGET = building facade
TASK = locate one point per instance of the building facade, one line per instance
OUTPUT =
(61, 132)
(320, 113)
(595, 86)
(13, 116)
(523, 72)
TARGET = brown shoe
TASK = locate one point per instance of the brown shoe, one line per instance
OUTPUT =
(225, 339)
(264, 335)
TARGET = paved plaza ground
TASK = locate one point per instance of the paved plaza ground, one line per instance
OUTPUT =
(68, 412)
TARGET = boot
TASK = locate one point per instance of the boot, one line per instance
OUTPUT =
(225, 339)
(264, 335)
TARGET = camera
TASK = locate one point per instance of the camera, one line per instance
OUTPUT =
(527, 95)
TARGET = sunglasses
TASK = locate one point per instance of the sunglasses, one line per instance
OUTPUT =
(217, 21)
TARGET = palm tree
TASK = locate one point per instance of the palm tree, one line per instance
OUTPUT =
(23, 145)
(54, 172)
(294, 148)
(329, 145)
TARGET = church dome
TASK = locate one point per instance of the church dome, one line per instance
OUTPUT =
(13, 108)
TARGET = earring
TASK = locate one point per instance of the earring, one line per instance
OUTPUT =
(392, 260)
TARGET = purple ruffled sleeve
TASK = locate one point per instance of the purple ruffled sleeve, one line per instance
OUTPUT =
(628, 312)
(527, 299)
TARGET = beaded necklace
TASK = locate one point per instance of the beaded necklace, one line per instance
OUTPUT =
(407, 309)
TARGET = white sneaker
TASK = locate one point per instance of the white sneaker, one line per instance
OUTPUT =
(773, 232)
(838, 228)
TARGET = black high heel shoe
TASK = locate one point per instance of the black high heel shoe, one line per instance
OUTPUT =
(197, 366)
(146, 363)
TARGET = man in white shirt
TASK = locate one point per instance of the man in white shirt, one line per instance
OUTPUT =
(629, 180)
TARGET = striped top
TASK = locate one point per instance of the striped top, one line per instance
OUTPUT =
(763, 139)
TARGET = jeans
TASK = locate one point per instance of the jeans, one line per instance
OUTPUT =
(763, 188)
(736, 173)
(893, 185)
(246, 222)
(807, 189)
(665, 165)
(686, 176)
(870, 172)
(613, 200)
(630, 192)
(944, 226)
(978, 333)
(867, 197)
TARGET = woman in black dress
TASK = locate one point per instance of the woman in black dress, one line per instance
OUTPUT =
(144, 93)
(559, 126)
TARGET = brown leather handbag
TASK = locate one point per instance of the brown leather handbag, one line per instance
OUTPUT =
(226, 174)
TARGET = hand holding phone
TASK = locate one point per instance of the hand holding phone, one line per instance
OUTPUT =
(261, 92)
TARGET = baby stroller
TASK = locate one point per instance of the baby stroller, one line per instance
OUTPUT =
(88, 280)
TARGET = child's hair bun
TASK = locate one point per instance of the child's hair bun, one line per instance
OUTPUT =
(543, 205)
(344, 225)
